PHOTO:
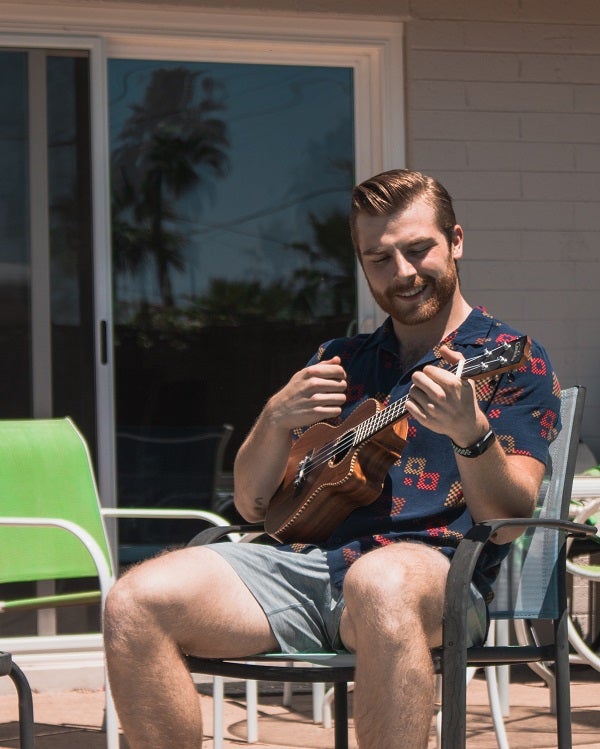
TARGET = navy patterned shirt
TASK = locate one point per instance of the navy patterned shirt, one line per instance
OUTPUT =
(422, 496)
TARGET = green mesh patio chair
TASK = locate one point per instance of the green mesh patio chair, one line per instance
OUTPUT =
(537, 565)
(51, 527)
(51, 522)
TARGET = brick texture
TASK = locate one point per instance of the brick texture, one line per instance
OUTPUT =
(503, 105)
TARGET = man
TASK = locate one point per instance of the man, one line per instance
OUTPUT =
(376, 585)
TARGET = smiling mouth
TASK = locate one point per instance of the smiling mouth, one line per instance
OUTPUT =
(410, 293)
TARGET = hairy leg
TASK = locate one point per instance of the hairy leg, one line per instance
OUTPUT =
(393, 616)
(189, 601)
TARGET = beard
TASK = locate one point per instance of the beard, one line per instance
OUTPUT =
(407, 312)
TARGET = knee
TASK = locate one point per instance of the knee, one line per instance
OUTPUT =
(372, 581)
(394, 595)
(376, 600)
(119, 610)
(130, 605)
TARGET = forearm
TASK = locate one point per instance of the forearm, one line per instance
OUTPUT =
(313, 394)
(496, 485)
(259, 467)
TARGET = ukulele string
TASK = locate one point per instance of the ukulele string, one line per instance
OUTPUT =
(355, 436)
(373, 424)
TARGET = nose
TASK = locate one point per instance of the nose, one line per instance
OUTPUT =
(403, 267)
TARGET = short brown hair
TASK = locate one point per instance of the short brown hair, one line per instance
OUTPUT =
(393, 191)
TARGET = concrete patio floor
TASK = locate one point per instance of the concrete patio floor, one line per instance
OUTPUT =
(71, 720)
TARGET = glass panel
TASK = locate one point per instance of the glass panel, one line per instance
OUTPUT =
(232, 256)
(67, 131)
(71, 243)
(15, 302)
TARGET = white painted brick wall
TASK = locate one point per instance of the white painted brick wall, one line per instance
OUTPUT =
(503, 106)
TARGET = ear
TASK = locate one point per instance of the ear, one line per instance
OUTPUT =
(456, 246)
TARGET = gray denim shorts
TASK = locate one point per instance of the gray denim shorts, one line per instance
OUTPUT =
(303, 607)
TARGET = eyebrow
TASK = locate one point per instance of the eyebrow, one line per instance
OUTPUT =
(409, 245)
(375, 250)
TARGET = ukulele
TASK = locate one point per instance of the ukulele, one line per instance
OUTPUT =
(332, 470)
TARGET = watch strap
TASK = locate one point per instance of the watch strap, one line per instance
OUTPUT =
(473, 451)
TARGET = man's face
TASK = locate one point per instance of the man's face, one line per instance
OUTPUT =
(409, 264)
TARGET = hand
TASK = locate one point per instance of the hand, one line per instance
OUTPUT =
(313, 394)
(446, 404)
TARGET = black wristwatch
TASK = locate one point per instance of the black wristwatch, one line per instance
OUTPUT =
(473, 451)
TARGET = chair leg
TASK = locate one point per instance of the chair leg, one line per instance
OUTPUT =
(251, 711)
(26, 724)
(454, 704)
(438, 713)
(341, 715)
(491, 677)
(288, 693)
(288, 689)
(438, 717)
(111, 721)
(563, 684)
(327, 700)
(503, 672)
(318, 697)
(218, 700)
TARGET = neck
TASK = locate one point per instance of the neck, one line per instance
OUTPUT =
(418, 339)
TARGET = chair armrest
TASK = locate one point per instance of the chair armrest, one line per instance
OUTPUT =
(163, 514)
(211, 535)
(149, 513)
(465, 559)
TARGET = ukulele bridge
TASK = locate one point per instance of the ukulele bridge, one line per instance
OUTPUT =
(303, 466)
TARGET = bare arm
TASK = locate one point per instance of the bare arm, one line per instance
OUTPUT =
(313, 394)
(495, 485)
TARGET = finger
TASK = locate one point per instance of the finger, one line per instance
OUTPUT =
(326, 385)
(445, 378)
(430, 382)
(419, 409)
(330, 369)
(450, 355)
(420, 399)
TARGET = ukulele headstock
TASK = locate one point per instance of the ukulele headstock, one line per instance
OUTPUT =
(503, 358)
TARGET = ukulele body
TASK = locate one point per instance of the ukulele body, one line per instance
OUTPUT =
(327, 477)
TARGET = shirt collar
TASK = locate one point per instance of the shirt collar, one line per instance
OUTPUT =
(474, 331)
(476, 328)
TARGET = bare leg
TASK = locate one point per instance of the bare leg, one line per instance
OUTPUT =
(394, 599)
(188, 601)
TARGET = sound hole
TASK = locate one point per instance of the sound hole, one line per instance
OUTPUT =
(341, 447)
